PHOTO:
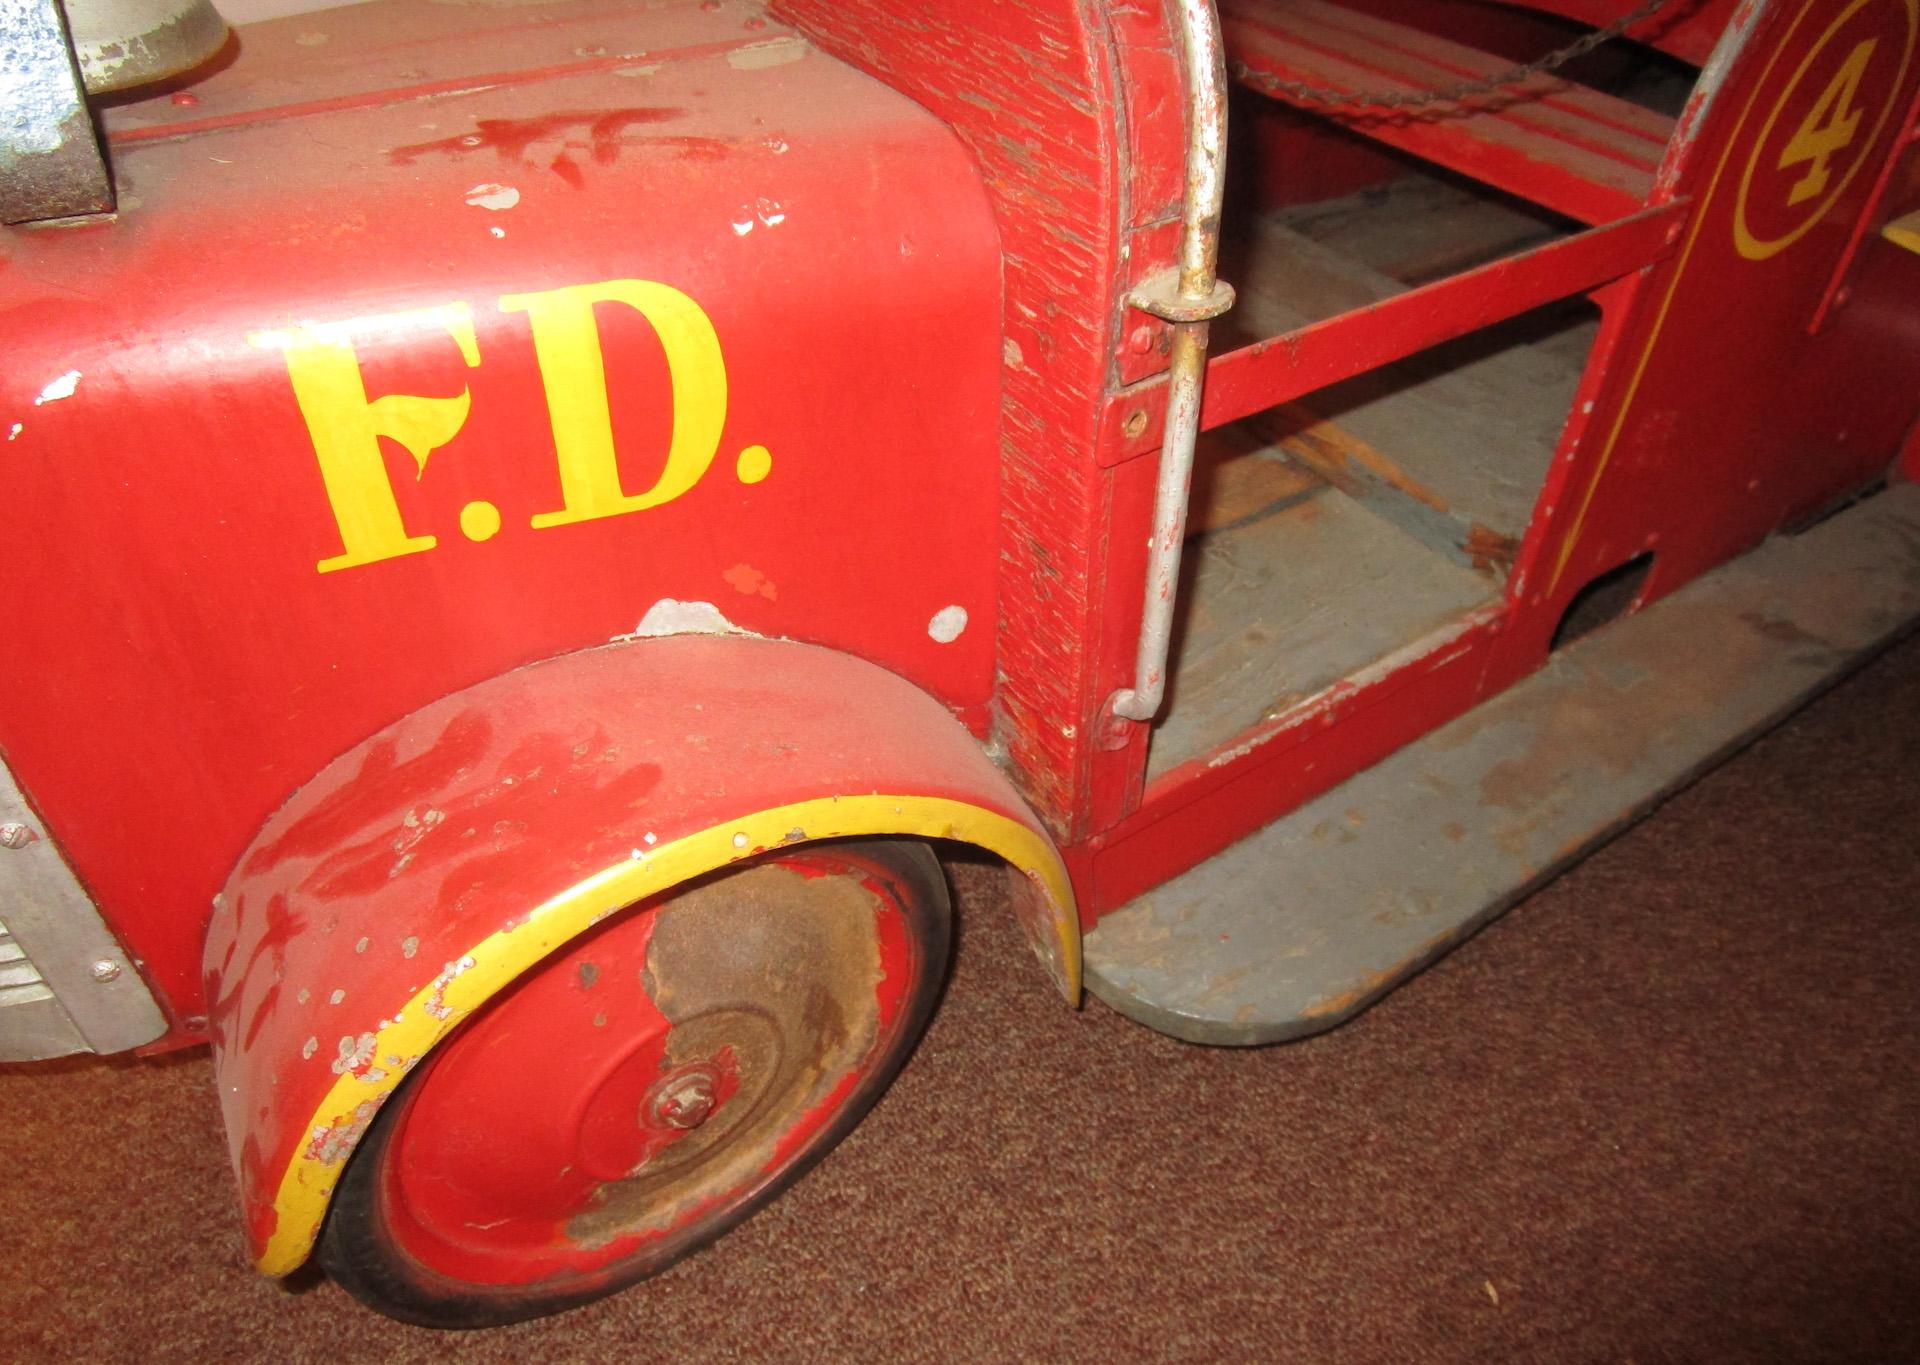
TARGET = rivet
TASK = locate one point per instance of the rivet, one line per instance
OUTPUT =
(106, 969)
(15, 835)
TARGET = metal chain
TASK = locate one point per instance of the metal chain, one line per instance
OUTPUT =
(1465, 90)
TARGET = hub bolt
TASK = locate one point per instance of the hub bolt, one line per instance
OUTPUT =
(685, 1101)
(15, 835)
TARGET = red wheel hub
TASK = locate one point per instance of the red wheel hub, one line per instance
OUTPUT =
(652, 1077)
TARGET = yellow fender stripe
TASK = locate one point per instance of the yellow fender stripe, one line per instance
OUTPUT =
(493, 963)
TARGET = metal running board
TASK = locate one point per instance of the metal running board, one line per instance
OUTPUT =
(1307, 922)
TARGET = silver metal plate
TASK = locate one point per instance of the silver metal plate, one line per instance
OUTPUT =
(66, 984)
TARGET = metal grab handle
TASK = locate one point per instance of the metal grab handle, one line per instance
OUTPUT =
(1187, 296)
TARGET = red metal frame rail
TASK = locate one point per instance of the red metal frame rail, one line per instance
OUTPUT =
(1567, 148)
(1282, 368)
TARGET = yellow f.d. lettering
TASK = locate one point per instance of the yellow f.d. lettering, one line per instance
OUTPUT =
(566, 343)
(346, 425)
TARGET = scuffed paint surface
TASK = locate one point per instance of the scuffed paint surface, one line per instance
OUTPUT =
(773, 52)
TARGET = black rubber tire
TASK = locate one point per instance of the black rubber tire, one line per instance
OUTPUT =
(357, 1253)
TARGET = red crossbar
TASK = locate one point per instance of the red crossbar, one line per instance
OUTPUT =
(1293, 364)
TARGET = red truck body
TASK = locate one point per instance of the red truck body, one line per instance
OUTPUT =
(738, 427)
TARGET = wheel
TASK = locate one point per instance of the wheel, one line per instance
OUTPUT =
(643, 1091)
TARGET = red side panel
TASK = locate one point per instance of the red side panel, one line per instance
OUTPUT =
(423, 188)
(1740, 400)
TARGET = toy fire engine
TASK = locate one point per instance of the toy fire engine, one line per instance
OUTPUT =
(525, 527)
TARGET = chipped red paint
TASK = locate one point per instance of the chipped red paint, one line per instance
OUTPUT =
(200, 548)
(1029, 87)
(518, 1134)
(912, 230)
(378, 879)
(1700, 350)
(478, 1184)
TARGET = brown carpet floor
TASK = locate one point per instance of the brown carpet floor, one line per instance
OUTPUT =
(1666, 1110)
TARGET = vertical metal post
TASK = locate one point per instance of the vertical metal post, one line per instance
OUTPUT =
(1187, 296)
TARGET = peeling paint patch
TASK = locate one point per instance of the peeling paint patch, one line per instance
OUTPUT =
(1011, 353)
(311, 40)
(773, 52)
(336, 997)
(947, 623)
(668, 617)
(355, 1054)
(409, 945)
(308, 1048)
(57, 389)
(492, 196)
(331, 1143)
(641, 69)
(437, 1002)
(13, 434)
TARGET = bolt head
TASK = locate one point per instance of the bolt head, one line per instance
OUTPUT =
(106, 969)
(685, 1101)
(15, 835)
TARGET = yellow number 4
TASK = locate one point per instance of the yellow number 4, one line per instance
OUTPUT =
(1828, 126)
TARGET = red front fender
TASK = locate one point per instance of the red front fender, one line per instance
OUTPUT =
(421, 872)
